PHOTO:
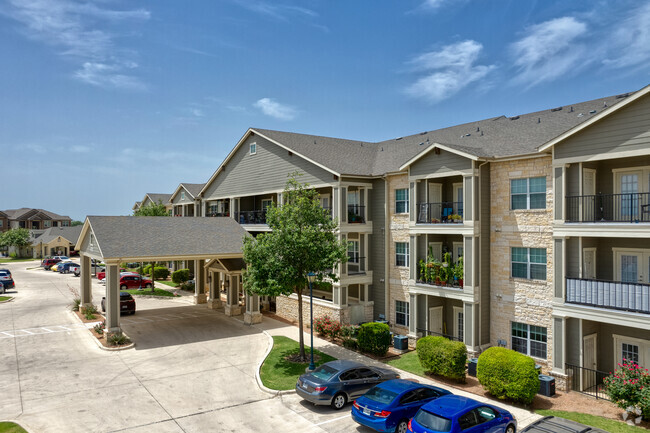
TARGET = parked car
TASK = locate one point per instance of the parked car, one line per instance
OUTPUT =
(337, 382)
(6, 280)
(389, 406)
(127, 303)
(48, 262)
(61, 258)
(131, 280)
(102, 274)
(454, 413)
(56, 266)
(553, 424)
(64, 268)
(6, 270)
(75, 269)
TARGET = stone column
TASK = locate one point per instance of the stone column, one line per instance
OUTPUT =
(232, 307)
(112, 299)
(86, 282)
(199, 282)
(413, 313)
(215, 296)
(252, 314)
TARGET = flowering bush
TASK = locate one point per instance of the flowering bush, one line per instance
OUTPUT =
(629, 388)
(327, 327)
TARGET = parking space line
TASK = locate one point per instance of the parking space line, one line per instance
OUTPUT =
(334, 419)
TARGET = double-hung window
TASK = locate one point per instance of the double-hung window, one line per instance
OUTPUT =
(402, 200)
(402, 313)
(529, 263)
(529, 193)
(529, 339)
(252, 148)
(353, 251)
(401, 253)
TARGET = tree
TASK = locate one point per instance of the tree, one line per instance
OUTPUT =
(302, 240)
(152, 209)
(76, 223)
(15, 238)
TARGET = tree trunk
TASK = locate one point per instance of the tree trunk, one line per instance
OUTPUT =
(301, 340)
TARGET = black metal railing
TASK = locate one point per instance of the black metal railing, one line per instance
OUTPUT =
(356, 214)
(438, 334)
(452, 283)
(616, 295)
(443, 212)
(251, 217)
(586, 381)
(218, 214)
(356, 263)
(624, 208)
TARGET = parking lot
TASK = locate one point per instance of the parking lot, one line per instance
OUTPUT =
(192, 369)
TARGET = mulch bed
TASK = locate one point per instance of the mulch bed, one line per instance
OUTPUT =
(100, 337)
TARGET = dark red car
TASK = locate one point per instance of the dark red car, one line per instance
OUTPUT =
(127, 303)
(47, 263)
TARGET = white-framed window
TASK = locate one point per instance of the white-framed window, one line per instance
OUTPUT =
(65, 224)
(529, 263)
(459, 323)
(266, 204)
(252, 148)
(401, 254)
(529, 339)
(182, 195)
(402, 313)
(528, 193)
(47, 223)
(353, 251)
(630, 349)
(1, 223)
(632, 265)
(402, 200)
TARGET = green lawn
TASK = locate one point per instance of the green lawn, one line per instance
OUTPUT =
(4, 298)
(408, 362)
(609, 425)
(147, 292)
(10, 260)
(168, 283)
(10, 427)
(280, 374)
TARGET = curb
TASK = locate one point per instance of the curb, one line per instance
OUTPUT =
(11, 298)
(100, 345)
(258, 379)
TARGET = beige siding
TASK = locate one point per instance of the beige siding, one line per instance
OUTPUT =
(444, 162)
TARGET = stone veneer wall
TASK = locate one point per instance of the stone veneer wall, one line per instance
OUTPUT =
(287, 308)
(517, 299)
(399, 232)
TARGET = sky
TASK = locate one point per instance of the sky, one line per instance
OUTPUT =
(103, 101)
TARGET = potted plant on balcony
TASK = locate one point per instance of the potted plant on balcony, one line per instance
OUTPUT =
(446, 269)
(435, 221)
(458, 272)
(455, 218)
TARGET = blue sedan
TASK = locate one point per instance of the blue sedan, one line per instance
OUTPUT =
(453, 414)
(390, 405)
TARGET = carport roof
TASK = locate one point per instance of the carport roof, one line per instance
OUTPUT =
(139, 237)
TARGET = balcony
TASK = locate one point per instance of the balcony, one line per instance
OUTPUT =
(447, 212)
(218, 214)
(356, 264)
(615, 208)
(615, 295)
(251, 217)
(356, 214)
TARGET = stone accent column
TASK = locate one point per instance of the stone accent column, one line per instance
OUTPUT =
(86, 282)
(413, 313)
(215, 296)
(199, 282)
(252, 314)
(112, 299)
(232, 307)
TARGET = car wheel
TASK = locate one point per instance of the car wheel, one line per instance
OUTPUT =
(2, 288)
(123, 287)
(402, 427)
(511, 429)
(147, 286)
(339, 401)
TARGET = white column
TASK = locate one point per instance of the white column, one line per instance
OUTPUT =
(86, 282)
(112, 299)
(252, 314)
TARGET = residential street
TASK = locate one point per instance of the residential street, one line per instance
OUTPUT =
(192, 370)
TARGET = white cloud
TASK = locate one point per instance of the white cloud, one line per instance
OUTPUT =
(276, 109)
(74, 28)
(448, 71)
(275, 10)
(550, 50)
(630, 43)
(80, 148)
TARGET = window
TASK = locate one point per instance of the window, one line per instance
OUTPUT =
(47, 223)
(529, 263)
(252, 148)
(630, 352)
(402, 200)
(402, 313)
(401, 254)
(528, 193)
(65, 223)
(353, 251)
(529, 339)
(182, 195)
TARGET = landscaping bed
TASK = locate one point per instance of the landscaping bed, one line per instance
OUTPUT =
(156, 292)
(98, 333)
(11, 427)
(5, 298)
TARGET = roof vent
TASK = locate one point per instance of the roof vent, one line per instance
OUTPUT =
(514, 118)
(624, 95)
(556, 109)
(478, 129)
(421, 144)
(580, 115)
(539, 120)
(571, 110)
(592, 112)
(604, 104)
(422, 133)
(481, 133)
(290, 153)
(467, 135)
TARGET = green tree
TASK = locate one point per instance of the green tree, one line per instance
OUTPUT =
(15, 238)
(76, 223)
(302, 239)
(152, 209)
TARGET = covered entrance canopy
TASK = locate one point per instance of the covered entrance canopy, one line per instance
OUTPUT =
(216, 242)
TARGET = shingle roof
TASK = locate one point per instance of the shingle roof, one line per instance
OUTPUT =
(156, 197)
(193, 188)
(69, 233)
(136, 237)
(495, 137)
(24, 213)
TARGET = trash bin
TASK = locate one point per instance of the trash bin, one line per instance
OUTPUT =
(401, 342)
(546, 385)
(471, 366)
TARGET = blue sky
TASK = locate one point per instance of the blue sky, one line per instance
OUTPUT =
(118, 98)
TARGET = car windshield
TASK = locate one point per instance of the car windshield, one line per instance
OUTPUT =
(324, 372)
(381, 395)
(432, 421)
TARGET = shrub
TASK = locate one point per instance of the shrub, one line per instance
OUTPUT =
(374, 338)
(187, 286)
(508, 374)
(13, 255)
(159, 272)
(443, 357)
(327, 327)
(117, 339)
(180, 276)
(99, 328)
(76, 302)
(89, 312)
(349, 331)
(629, 388)
(350, 343)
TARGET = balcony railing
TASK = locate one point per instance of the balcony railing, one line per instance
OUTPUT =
(624, 208)
(251, 217)
(426, 332)
(586, 381)
(614, 295)
(356, 264)
(452, 283)
(443, 212)
(356, 214)
(218, 214)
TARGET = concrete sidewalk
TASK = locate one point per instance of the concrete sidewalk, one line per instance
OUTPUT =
(276, 328)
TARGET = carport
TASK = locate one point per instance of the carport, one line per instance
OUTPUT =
(214, 245)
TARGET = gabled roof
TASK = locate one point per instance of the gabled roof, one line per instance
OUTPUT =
(136, 206)
(69, 233)
(192, 189)
(26, 213)
(157, 197)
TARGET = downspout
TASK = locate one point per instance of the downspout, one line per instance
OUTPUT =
(386, 251)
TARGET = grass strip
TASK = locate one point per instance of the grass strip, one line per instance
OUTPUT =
(168, 283)
(606, 424)
(10, 260)
(148, 292)
(278, 373)
(408, 362)
(4, 298)
(10, 427)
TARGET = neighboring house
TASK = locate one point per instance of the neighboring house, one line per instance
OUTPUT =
(155, 198)
(185, 201)
(56, 241)
(4, 222)
(136, 206)
(35, 220)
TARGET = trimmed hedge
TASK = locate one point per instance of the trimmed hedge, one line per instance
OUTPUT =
(508, 374)
(443, 357)
(374, 338)
(159, 272)
(180, 276)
